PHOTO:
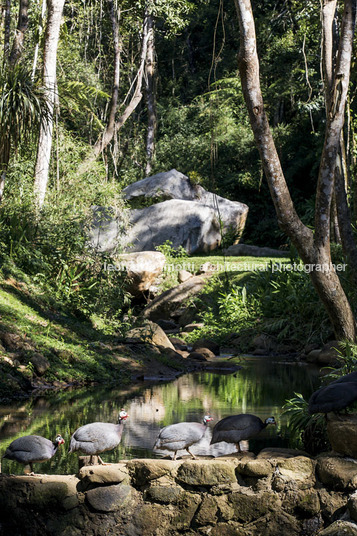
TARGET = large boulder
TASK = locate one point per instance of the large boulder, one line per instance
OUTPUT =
(174, 185)
(187, 215)
(184, 223)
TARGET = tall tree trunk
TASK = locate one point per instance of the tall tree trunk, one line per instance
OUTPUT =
(18, 43)
(329, 46)
(16, 51)
(108, 134)
(151, 96)
(54, 9)
(313, 249)
(7, 27)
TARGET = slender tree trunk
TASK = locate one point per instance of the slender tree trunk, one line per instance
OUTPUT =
(341, 179)
(16, 51)
(344, 215)
(105, 139)
(151, 97)
(108, 134)
(313, 249)
(328, 45)
(7, 27)
(22, 25)
(40, 29)
(55, 9)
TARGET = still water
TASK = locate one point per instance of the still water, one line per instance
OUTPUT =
(260, 387)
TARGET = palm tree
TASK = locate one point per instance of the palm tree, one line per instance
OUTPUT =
(23, 108)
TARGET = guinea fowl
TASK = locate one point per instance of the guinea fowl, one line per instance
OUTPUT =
(236, 428)
(97, 437)
(32, 449)
(336, 396)
(181, 436)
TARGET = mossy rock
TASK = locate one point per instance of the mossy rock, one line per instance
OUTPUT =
(164, 490)
(304, 503)
(186, 509)
(337, 473)
(256, 468)
(103, 474)
(143, 472)
(249, 506)
(206, 472)
(212, 509)
(48, 494)
(109, 498)
(151, 520)
(295, 473)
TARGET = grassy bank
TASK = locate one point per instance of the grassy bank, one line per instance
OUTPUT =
(42, 344)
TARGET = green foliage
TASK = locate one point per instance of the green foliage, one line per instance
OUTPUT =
(23, 106)
(347, 361)
(280, 303)
(170, 252)
(53, 247)
(304, 429)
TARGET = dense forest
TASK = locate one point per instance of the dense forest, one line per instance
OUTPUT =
(146, 88)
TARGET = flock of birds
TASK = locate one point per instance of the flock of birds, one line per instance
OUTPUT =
(95, 438)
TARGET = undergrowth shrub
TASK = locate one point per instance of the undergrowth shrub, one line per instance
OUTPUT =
(53, 248)
(281, 303)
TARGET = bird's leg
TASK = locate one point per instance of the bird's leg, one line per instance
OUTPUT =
(174, 457)
(238, 447)
(32, 472)
(193, 456)
(101, 461)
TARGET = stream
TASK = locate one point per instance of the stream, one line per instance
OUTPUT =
(260, 387)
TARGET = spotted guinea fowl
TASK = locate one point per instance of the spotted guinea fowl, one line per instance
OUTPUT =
(236, 428)
(32, 449)
(181, 436)
(335, 396)
(97, 437)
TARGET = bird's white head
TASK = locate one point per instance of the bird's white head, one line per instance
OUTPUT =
(123, 415)
(270, 420)
(207, 418)
(59, 440)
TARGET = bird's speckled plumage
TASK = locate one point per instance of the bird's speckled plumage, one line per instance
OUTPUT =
(32, 449)
(236, 428)
(97, 437)
(181, 435)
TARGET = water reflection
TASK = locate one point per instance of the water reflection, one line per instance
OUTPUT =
(261, 387)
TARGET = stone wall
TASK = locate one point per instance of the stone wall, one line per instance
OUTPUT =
(279, 492)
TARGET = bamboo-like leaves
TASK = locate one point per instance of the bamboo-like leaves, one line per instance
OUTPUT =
(23, 107)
